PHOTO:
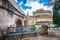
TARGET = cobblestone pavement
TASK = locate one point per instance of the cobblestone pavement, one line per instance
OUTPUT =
(53, 35)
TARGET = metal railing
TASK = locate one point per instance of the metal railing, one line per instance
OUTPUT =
(20, 29)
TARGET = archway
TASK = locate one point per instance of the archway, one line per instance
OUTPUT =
(18, 22)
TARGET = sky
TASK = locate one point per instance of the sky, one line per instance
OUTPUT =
(28, 6)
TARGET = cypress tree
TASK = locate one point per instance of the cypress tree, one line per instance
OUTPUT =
(56, 14)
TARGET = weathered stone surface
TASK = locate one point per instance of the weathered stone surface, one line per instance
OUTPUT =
(0, 2)
(44, 29)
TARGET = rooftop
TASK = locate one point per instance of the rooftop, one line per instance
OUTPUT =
(42, 11)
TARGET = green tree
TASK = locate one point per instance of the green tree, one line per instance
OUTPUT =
(56, 15)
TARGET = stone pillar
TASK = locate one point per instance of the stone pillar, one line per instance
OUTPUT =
(23, 22)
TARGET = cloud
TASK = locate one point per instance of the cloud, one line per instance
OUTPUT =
(28, 11)
(16, 1)
(33, 5)
(36, 5)
(52, 1)
(27, 4)
(20, 3)
(48, 8)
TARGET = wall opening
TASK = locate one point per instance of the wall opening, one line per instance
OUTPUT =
(18, 22)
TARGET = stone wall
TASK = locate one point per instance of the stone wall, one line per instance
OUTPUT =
(8, 14)
(30, 20)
